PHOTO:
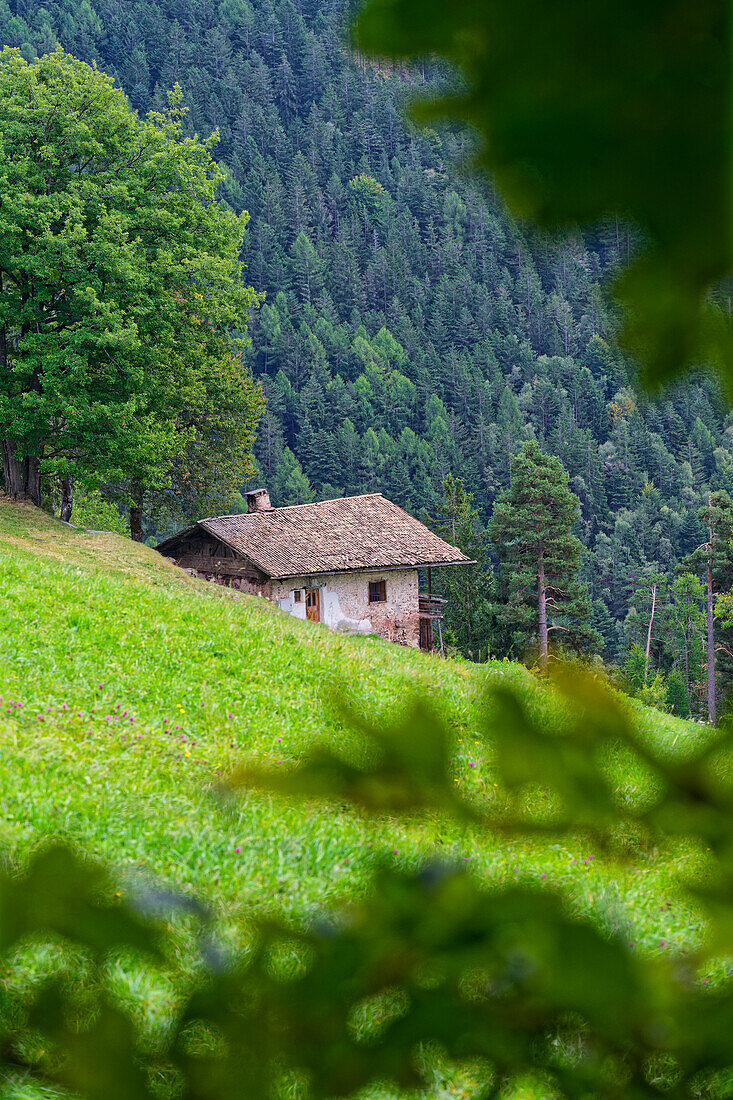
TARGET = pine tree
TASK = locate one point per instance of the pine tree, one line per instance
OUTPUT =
(715, 560)
(647, 620)
(469, 589)
(532, 530)
(678, 699)
(307, 267)
(634, 669)
(686, 602)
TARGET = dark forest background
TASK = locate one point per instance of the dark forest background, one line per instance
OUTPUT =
(410, 328)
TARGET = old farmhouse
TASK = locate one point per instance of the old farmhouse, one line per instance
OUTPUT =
(350, 563)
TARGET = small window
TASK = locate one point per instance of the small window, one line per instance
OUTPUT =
(377, 591)
(298, 595)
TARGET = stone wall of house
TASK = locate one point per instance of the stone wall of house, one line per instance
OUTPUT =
(345, 606)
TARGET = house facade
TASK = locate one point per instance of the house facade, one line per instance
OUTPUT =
(351, 564)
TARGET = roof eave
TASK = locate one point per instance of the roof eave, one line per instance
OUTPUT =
(237, 550)
(204, 526)
(369, 569)
(178, 535)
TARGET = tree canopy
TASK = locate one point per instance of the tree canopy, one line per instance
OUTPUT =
(121, 282)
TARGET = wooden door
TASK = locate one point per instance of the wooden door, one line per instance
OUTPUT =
(313, 604)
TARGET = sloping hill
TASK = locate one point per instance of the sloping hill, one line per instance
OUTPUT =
(410, 328)
(128, 689)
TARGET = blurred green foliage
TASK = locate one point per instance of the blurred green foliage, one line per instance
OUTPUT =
(591, 110)
(510, 977)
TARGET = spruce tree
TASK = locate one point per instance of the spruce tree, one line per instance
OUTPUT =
(532, 530)
(677, 698)
(686, 602)
(469, 589)
(714, 558)
(647, 620)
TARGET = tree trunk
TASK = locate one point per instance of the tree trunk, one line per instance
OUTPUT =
(22, 474)
(711, 645)
(542, 596)
(649, 632)
(136, 515)
(711, 634)
(687, 665)
(67, 499)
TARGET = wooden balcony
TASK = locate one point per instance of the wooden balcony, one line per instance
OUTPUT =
(431, 610)
(431, 607)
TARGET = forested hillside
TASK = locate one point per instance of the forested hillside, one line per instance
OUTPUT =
(410, 328)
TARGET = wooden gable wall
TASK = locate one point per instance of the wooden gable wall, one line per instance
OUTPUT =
(204, 553)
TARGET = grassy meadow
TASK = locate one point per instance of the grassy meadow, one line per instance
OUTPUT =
(130, 689)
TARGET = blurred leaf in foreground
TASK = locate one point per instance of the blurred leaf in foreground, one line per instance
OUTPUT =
(406, 768)
(587, 111)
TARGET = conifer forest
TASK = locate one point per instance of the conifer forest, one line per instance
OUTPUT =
(411, 329)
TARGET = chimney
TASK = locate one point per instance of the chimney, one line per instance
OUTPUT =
(258, 501)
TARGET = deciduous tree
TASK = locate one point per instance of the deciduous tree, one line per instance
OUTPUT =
(120, 279)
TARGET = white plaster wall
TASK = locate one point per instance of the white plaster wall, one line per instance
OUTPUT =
(345, 603)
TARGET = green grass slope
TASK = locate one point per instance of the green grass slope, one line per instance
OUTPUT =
(129, 688)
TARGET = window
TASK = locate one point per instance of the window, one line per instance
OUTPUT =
(298, 595)
(377, 591)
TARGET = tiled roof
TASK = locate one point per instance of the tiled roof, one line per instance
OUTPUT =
(330, 536)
